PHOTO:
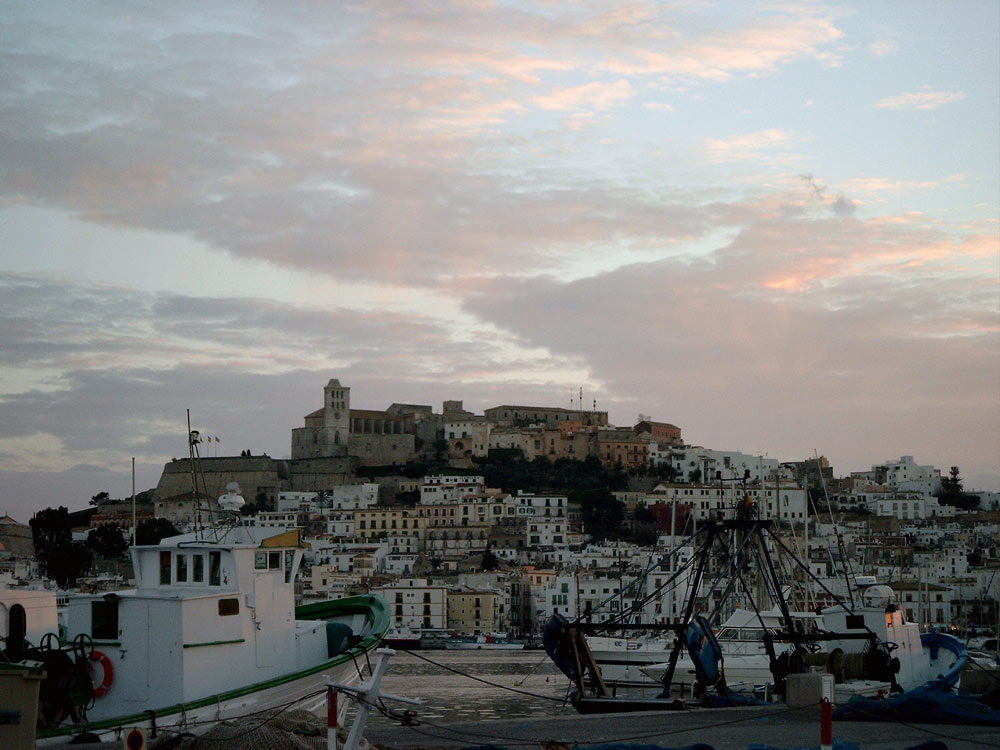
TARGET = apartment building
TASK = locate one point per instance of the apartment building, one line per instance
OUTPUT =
(416, 604)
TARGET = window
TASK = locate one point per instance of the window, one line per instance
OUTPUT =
(104, 619)
(214, 568)
(198, 568)
(164, 568)
(229, 607)
(182, 568)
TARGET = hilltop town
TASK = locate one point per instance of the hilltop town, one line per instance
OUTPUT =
(491, 523)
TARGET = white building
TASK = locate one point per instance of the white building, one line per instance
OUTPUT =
(541, 506)
(341, 497)
(786, 502)
(416, 604)
(443, 489)
(696, 461)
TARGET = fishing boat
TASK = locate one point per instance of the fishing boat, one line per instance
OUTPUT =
(915, 657)
(631, 656)
(209, 633)
(871, 643)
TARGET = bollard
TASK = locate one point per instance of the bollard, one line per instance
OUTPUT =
(826, 725)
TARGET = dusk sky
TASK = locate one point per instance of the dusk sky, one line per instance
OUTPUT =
(775, 225)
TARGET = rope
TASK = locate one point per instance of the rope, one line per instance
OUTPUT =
(480, 679)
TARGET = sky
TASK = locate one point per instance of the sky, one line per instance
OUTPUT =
(774, 225)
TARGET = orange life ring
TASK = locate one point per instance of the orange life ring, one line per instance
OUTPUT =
(109, 673)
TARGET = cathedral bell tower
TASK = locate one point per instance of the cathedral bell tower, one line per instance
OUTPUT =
(337, 412)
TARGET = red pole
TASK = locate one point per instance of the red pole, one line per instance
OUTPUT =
(826, 725)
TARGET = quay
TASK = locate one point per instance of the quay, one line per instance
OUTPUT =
(741, 728)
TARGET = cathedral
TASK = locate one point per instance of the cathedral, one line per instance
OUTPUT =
(375, 437)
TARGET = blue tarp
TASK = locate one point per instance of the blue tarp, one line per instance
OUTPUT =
(932, 703)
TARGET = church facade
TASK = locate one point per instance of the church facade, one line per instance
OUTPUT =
(376, 438)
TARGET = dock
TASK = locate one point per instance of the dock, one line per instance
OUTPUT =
(739, 728)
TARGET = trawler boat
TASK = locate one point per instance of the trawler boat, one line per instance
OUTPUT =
(210, 632)
(629, 657)
(870, 643)
(915, 657)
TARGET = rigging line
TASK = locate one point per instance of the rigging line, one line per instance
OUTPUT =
(690, 563)
(735, 561)
(833, 596)
(646, 735)
(638, 579)
(662, 588)
(485, 682)
(254, 728)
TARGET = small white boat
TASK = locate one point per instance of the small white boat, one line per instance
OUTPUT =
(209, 633)
(485, 642)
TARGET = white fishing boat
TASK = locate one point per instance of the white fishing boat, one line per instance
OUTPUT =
(484, 642)
(627, 658)
(210, 632)
(870, 643)
(915, 657)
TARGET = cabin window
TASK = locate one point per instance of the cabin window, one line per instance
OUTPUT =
(198, 568)
(164, 568)
(182, 568)
(274, 561)
(289, 559)
(104, 620)
(229, 607)
(214, 568)
(260, 560)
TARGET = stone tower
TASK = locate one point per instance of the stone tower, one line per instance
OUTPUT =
(337, 412)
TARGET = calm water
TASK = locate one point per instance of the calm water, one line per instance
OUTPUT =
(449, 697)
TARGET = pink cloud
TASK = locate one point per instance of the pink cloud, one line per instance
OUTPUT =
(920, 100)
(596, 95)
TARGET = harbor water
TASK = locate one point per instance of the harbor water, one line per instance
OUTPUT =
(460, 686)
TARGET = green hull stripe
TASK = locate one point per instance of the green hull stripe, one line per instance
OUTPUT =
(214, 643)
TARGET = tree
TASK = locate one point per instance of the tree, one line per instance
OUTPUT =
(152, 530)
(490, 561)
(952, 493)
(601, 513)
(100, 498)
(65, 562)
(50, 527)
(107, 541)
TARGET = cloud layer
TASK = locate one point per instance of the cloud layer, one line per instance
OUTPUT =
(774, 226)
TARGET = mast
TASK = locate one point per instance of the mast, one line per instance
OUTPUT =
(133, 502)
(836, 529)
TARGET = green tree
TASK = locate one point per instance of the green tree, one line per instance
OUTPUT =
(65, 562)
(601, 513)
(107, 541)
(152, 530)
(490, 561)
(952, 492)
(99, 498)
(50, 527)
